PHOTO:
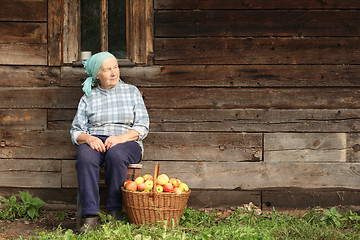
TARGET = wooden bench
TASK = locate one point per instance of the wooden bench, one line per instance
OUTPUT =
(133, 171)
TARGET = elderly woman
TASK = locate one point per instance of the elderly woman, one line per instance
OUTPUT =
(109, 126)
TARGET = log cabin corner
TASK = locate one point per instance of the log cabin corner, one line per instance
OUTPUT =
(249, 101)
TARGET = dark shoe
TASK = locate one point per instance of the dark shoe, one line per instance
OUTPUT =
(89, 223)
(117, 215)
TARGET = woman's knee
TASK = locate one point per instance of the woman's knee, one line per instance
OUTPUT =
(85, 155)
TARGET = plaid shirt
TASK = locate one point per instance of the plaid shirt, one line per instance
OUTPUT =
(111, 112)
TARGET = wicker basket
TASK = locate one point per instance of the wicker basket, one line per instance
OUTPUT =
(151, 207)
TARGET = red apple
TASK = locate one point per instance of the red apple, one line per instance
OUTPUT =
(177, 191)
(162, 179)
(159, 188)
(126, 182)
(148, 177)
(141, 187)
(131, 186)
(174, 182)
(168, 187)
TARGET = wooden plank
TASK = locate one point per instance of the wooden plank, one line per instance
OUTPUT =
(302, 198)
(23, 10)
(300, 23)
(189, 146)
(23, 54)
(30, 179)
(195, 98)
(24, 76)
(71, 38)
(68, 174)
(255, 4)
(23, 32)
(24, 119)
(254, 120)
(59, 119)
(353, 147)
(55, 23)
(36, 144)
(50, 97)
(260, 175)
(229, 76)
(222, 198)
(230, 98)
(30, 165)
(256, 51)
(309, 147)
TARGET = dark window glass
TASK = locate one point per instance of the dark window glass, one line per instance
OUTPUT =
(91, 27)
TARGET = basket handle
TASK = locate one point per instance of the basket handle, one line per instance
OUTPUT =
(154, 192)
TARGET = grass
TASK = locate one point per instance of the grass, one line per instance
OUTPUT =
(240, 224)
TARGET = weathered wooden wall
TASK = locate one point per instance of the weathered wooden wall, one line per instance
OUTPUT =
(248, 101)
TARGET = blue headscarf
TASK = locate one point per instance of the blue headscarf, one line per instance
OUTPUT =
(92, 66)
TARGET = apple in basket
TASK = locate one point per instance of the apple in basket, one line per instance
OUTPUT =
(177, 191)
(168, 187)
(131, 186)
(162, 179)
(159, 188)
(175, 182)
(139, 180)
(126, 182)
(141, 187)
(184, 187)
(148, 177)
(149, 185)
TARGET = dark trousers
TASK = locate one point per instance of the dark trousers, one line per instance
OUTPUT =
(116, 160)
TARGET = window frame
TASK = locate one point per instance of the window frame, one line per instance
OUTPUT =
(139, 32)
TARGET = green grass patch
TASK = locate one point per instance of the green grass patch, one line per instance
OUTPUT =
(239, 224)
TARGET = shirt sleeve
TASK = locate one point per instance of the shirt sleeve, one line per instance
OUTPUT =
(80, 122)
(141, 120)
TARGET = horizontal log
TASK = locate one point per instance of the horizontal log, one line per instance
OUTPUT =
(24, 76)
(302, 198)
(42, 97)
(238, 120)
(23, 54)
(255, 120)
(198, 146)
(260, 175)
(256, 4)
(24, 119)
(227, 98)
(30, 179)
(195, 98)
(310, 147)
(256, 50)
(272, 23)
(19, 32)
(23, 10)
(30, 165)
(255, 175)
(36, 144)
(229, 76)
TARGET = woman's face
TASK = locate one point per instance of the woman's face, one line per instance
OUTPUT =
(109, 73)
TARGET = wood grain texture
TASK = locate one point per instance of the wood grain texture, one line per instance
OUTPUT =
(272, 23)
(23, 10)
(23, 32)
(55, 18)
(256, 51)
(23, 119)
(23, 54)
(255, 4)
(26, 76)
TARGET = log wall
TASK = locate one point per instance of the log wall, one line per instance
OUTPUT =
(247, 101)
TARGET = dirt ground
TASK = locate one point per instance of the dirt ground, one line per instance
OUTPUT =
(48, 221)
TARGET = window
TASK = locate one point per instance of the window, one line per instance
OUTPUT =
(122, 27)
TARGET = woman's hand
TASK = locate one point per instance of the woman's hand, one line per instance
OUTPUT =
(111, 141)
(96, 144)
